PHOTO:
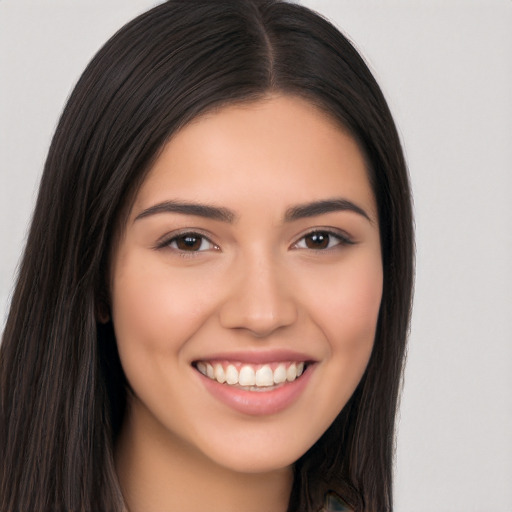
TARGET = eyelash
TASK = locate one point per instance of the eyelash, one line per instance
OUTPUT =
(167, 243)
(342, 240)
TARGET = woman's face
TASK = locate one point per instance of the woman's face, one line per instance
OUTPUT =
(251, 255)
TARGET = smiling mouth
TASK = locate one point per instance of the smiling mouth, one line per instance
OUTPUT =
(250, 377)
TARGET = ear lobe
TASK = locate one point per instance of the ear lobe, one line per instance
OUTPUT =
(102, 312)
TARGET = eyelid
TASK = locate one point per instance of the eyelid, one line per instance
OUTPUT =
(167, 239)
(343, 237)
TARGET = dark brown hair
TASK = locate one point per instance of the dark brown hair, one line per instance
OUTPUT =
(62, 386)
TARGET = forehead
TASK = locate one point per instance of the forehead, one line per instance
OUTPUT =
(279, 150)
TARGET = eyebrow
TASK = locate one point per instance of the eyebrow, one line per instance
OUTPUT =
(292, 214)
(196, 209)
(315, 208)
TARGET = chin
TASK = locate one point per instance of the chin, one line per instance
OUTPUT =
(258, 454)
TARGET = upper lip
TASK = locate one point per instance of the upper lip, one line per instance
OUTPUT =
(258, 356)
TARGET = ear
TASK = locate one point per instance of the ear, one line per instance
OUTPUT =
(102, 306)
(102, 301)
(102, 311)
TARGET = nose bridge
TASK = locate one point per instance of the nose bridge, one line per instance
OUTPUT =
(259, 298)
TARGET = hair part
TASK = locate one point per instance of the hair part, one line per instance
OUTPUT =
(63, 391)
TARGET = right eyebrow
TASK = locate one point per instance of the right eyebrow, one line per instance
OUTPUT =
(185, 208)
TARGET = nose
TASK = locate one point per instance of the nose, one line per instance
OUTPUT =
(259, 299)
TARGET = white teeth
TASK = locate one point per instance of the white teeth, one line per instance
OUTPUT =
(248, 376)
(280, 374)
(231, 375)
(291, 373)
(265, 376)
(220, 375)
(201, 367)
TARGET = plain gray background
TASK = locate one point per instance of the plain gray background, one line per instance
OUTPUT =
(446, 69)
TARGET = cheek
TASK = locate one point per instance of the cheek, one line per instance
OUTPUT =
(350, 304)
(154, 310)
(348, 318)
(358, 307)
(355, 319)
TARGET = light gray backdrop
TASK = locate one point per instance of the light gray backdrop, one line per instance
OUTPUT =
(446, 69)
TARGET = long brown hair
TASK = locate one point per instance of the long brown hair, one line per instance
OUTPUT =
(62, 386)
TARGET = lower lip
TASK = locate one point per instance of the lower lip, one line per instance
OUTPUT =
(258, 403)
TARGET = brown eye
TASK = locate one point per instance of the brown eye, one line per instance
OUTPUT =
(318, 240)
(190, 242)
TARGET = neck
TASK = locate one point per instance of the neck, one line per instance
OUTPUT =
(160, 472)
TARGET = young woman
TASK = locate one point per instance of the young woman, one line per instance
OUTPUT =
(212, 306)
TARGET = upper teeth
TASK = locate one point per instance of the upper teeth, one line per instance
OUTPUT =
(249, 375)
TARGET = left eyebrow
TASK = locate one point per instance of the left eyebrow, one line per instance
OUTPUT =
(315, 208)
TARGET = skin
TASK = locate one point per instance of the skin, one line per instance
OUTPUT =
(258, 283)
